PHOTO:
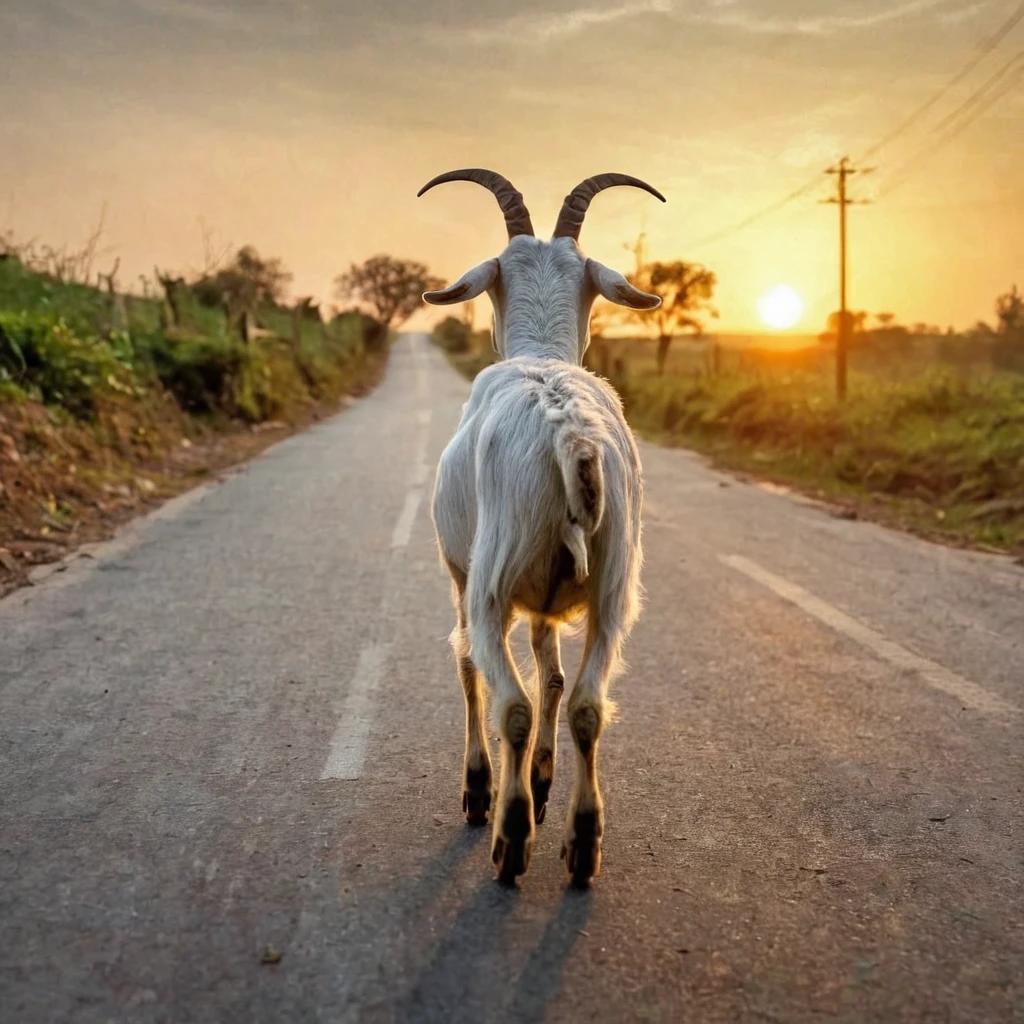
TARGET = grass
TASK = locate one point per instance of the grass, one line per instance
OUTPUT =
(939, 454)
(931, 447)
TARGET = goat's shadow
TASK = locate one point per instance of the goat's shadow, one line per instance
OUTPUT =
(466, 978)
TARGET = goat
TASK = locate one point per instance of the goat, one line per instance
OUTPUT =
(536, 507)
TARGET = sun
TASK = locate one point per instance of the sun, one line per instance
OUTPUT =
(781, 307)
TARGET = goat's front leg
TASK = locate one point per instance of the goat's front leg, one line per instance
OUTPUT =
(589, 711)
(513, 818)
(476, 786)
(551, 683)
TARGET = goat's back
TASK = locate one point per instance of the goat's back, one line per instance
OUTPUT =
(500, 499)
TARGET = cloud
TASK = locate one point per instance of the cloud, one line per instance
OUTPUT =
(728, 14)
(545, 27)
(186, 10)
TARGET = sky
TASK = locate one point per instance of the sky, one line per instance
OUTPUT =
(306, 127)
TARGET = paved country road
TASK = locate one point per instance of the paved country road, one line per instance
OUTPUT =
(241, 727)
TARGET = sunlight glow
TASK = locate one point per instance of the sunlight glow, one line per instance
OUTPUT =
(781, 308)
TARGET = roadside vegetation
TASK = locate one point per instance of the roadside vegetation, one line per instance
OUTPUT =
(111, 401)
(929, 439)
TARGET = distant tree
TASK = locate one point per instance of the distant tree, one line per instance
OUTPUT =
(885, 320)
(685, 290)
(1010, 312)
(249, 282)
(453, 335)
(390, 287)
(855, 320)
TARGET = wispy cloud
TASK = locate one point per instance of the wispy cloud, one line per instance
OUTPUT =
(544, 27)
(211, 15)
(728, 14)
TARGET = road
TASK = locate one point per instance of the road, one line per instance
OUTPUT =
(240, 726)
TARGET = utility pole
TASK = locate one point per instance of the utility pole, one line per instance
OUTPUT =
(842, 171)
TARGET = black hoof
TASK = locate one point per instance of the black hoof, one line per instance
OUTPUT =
(511, 851)
(476, 797)
(582, 855)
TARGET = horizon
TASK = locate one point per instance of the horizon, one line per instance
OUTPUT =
(306, 131)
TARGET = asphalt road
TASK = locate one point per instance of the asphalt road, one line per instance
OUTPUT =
(240, 726)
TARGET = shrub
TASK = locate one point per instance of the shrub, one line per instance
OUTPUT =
(453, 335)
(43, 355)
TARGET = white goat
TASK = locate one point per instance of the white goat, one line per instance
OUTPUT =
(537, 511)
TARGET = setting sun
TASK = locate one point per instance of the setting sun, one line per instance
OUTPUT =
(781, 308)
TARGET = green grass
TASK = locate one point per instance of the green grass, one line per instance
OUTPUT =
(941, 454)
(69, 346)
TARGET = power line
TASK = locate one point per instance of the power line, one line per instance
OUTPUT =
(979, 93)
(905, 170)
(983, 50)
(754, 217)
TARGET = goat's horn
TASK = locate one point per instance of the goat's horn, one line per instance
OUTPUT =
(517, 217)
(574, 209)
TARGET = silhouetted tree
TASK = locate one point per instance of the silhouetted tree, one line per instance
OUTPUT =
(855, 321)
(390, 287)
(1010, 312)
(685, 290)
(246, 284)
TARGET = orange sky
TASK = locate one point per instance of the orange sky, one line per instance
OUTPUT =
(306, 128)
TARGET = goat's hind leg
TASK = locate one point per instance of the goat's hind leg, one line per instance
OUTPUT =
(589, 712)
(513, 817)
(477, 779)
(551, 683)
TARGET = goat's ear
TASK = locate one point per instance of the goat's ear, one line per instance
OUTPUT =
(615, 288)
(469, 286)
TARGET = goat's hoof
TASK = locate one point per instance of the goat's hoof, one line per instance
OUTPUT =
(581, 850)
(540, 786)
(476, 805)
(513, 841)
(476, 797)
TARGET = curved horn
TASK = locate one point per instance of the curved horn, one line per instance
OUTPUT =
(517, 217)
(574, 209)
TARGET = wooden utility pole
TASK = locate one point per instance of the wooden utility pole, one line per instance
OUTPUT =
(842, 171)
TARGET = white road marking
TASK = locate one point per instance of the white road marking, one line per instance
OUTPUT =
(403, 528)
(348, 745)
(347, 756)
(933, 674)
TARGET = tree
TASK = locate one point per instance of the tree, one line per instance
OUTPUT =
(685, 290)
(1010, 312)
(246, 284)
(855, 321)
(454, 335)
(885, 320)
(392, 288)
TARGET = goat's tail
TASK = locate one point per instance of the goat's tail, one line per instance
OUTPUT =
(579, 459)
